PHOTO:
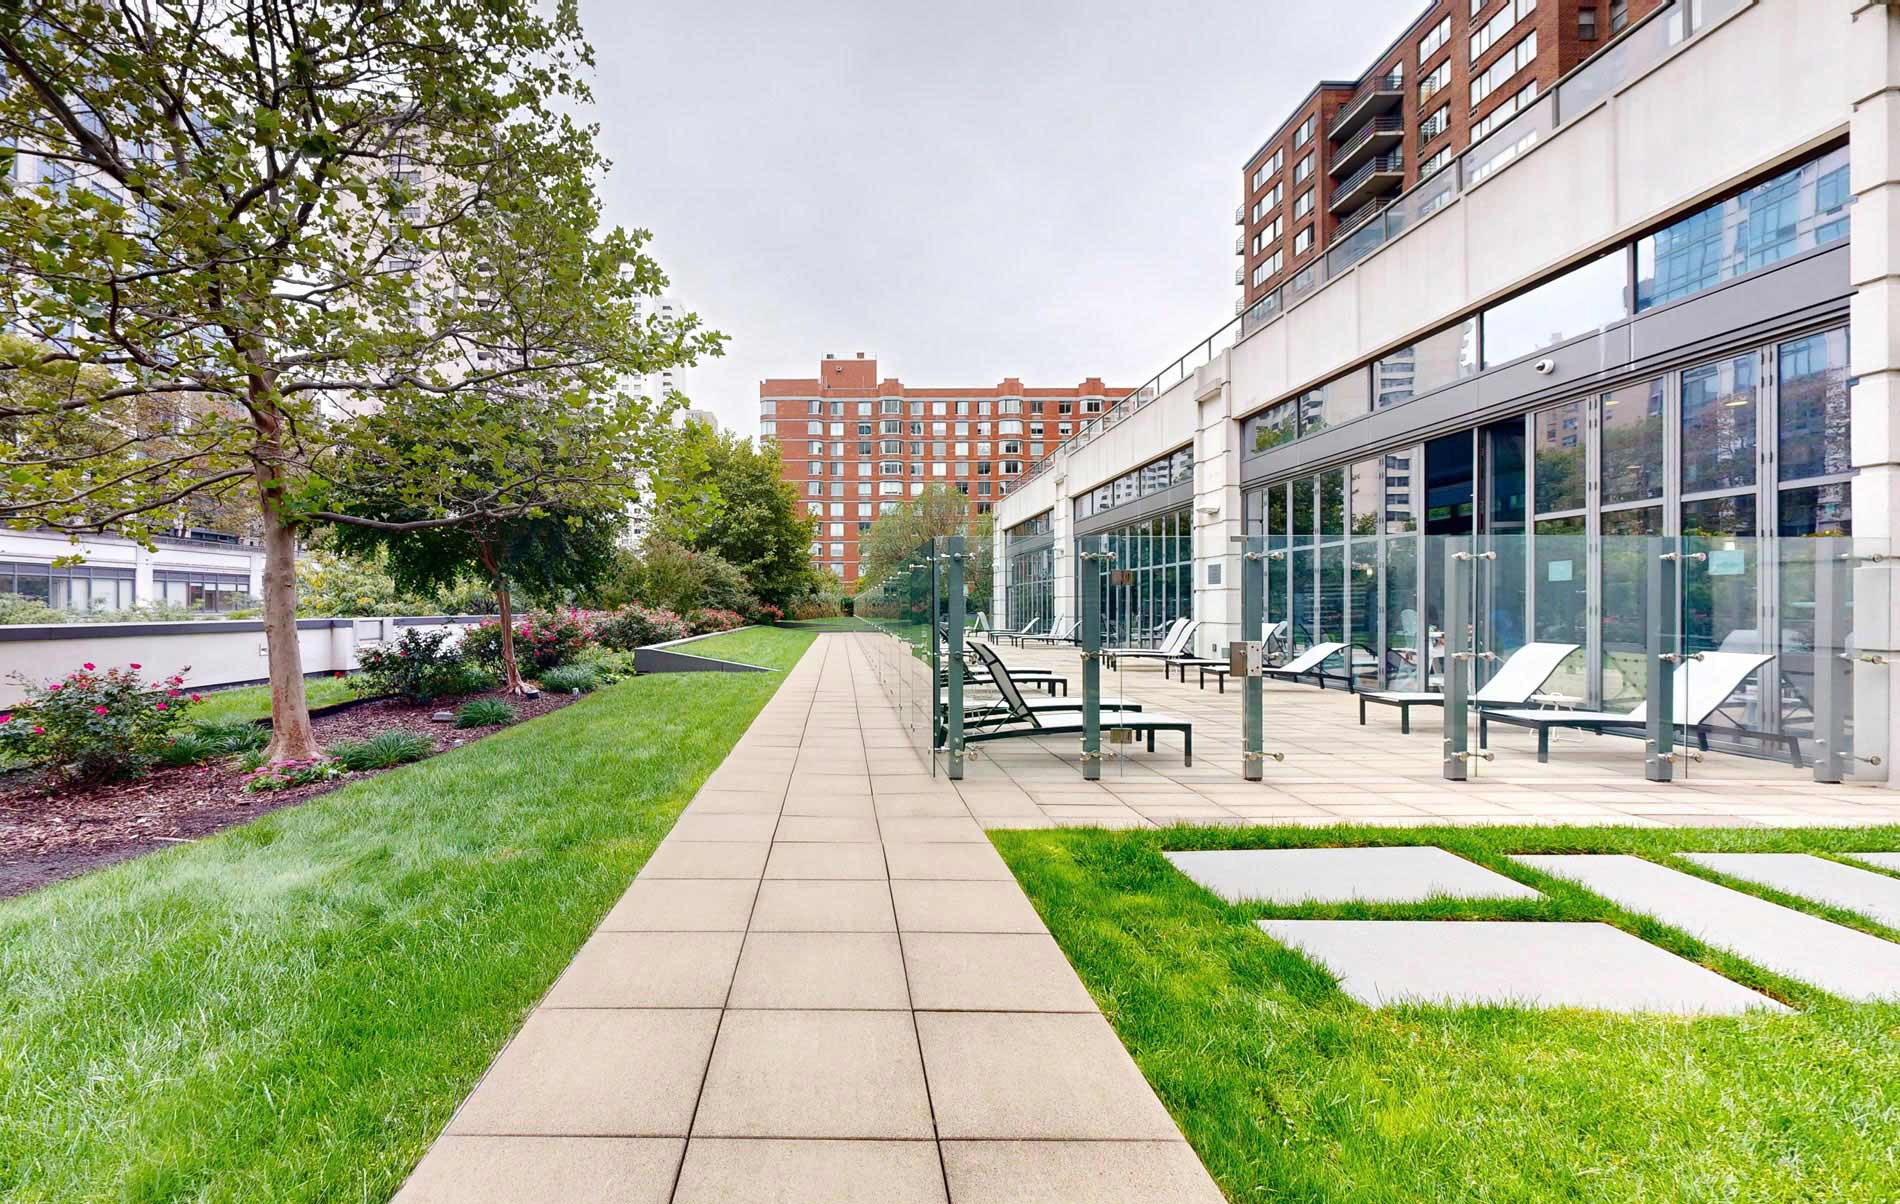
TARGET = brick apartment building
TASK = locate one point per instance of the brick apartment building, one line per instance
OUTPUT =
(1457, 73)
(854, 444)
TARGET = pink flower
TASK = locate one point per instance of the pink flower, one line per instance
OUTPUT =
(87, 665)
(136, 665)
(6, 719)
(172, 693)
(55, 686)
(161, 706)
(197, 698)
(99, 710)
(39, 731)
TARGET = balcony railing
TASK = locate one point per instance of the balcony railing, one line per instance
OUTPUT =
(1377, 95)
(1379, 134)
(1358, 217)
(1240, 244)
(1240, 215)
(1381, 173)
(1603, 73)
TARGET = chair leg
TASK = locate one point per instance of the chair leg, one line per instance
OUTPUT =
(1151, 739)
(1187, 743)
(1484, 733)
(1362, 712)
(1543, 745)
(1405, 719)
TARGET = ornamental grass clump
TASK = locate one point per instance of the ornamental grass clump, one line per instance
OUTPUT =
(381, 751)
(287, 775)
(95, 725)
(484, 712)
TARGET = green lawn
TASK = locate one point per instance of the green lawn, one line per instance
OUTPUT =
(291, 1010)
(253, 702)
(1290, 1090)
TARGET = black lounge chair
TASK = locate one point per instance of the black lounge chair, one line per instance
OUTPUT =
(1022, 720)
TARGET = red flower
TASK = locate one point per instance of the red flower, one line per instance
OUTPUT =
(197, 698)
(55, 686)
(172, 693)
(6, 719)
(136, 665)
(99, 710)
(161, 706)
(39, 731)
(87, 665)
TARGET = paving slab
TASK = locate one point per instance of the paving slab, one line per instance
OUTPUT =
(821, 970)
(649, 970)
(773, 1171)
(1876, 896)
(940, 906)
(545, 1170)
(815, 1074)
(947, 862)
(805, 906)
(1018, 1076)
(991, 972)
(1384, 875)
(1076, 1172)
(798, 859)
(1835, 958)
(706, 859)
(683, 905)
(1886, 861)
(1386, 962)
(568, 1073)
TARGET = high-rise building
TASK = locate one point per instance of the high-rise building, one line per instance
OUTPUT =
(1460, 71)
(657, 385)
(854, 444)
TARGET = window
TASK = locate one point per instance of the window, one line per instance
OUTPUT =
(1304, 134)
(1431, 363)
(1492, 31)
(1434, 125)
(1587, 24)
(1619, 15)
(1581, 301)
(1433, 165)
(82, 586)
(200, 590)
(1439, 35)
(1431, 84)
(1504, 112)
(1267, 235)
(1303, 205)
(1718, 426)
(1796, 211)
(1303, 170)
(1812, 417)
(1303, 241)
(1498, 73)
(1630, 443)
(1266, 171)
(1268, 268)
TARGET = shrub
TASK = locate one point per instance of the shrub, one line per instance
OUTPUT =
(232, 736)
(542, 641)
(568, 679)
(765, 614)
(637, 626)
(608, 666)
(702, 622)
(15, 608)
(380, 751)
(678, 578)
(817, 607)
(419, 667)
(94, 726)
(285, 775)
(484, 712)
(187, 748)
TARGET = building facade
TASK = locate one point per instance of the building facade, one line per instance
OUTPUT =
(1591, 328)
(1459, 71)
(854, 445)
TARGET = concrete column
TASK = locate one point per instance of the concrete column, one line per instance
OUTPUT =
(1217, 513)
(144, 585)
(1062, 530)
(1873, 70)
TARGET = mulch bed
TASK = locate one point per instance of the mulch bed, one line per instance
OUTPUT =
(50, 831)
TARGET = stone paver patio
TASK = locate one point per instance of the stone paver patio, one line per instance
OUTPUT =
(826, 985)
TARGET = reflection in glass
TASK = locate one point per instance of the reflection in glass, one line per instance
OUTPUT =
(1560, 593)
(1625, 626)
(1581, 301)
(1631, 453)
(1558, 435)
(1718, 426)
(1718, 589)
(1427, 365)
(1303, 510)
(1405, 655)
(1812, 411)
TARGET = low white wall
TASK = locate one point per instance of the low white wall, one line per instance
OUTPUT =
(209, 653)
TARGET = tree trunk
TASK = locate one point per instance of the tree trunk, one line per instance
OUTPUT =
(511, 671)
(292, 738)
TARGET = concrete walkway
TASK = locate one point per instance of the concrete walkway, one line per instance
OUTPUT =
(824, 986)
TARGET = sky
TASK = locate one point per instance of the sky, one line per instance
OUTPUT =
(966, 191)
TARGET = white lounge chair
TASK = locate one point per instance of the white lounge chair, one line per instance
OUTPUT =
(1701, 687)
(1063, 633)
(1177, 645)
(1515, 683)
(1311, 664)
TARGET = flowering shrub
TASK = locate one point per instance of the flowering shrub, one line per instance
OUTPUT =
(765, 613)
(93, 725)
(637, 626)
(283, 775)
(542, 641)
(701, 622)
(421, 666)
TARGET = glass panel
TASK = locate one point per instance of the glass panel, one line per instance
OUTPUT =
(1404, 658)
(1431, 363)
(1718, 426)
(1332, 594)
(1400, 514)
(1718, 591)
(1367, 498)
(1581, 301)
(1795, 212)
(1305, 601)
(1303, 510)
(1558, 435)
(1332, 504)
(1631, 459)
(1276, 510)
(1362, 599)
(1334, 402)
(1273, 426)
(1813, 412)
(1560, 570)
(1625, 626)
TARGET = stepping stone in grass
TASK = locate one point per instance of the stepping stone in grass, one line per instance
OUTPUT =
(1391, 875)
(1886, 861)
(1527, 964)
(1835, 958)
(1873, 895)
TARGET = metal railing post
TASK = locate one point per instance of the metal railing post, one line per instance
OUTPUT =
(1459, 607)
(1253, 606)
(953, 726)
(1665, 653)
(1089, 595)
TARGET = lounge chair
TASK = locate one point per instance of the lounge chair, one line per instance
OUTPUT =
(1702, 686)
(1019, 719)
(1026, 629)
(1515, 684)
(1064, 633)
(1275, 633)
(1178, 645)
(1311, 664)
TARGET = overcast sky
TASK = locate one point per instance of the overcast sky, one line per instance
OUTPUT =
(966, 191)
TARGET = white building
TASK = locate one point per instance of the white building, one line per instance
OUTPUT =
(1628, 312)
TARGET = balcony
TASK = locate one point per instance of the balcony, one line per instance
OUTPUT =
(1375, 137)
(1377, 96)
(1240, 215)
(1240, 275)
(1380, 175)
(1240, 244)
(1359, 217)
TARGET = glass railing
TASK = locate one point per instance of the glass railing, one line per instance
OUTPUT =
(1733, 656)
(1634, 52)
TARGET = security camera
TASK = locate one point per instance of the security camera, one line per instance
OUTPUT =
(1546, 367)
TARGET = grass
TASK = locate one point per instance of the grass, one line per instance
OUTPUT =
(1291, 1090)
(253, 702)
(290, 1010)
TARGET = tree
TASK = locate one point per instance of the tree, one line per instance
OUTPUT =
(546, 554)
(272, 219)
(719, 493)
(937, 511)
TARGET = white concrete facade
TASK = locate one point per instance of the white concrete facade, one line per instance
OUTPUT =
(1760, 86)
(111, 552)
